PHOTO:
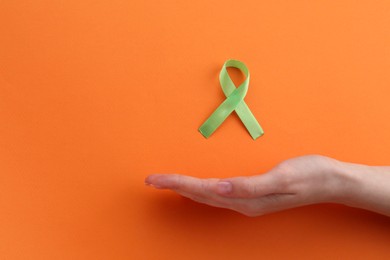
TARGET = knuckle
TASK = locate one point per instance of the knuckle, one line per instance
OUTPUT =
(284, 168)
(178, 181)
(248, 187)
(204, 185)
(284, 173)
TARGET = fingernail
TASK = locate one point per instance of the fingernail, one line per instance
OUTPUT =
(224, 187)
(153, 185)
(148, 183)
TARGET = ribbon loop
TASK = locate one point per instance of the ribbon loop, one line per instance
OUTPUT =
(234, 102)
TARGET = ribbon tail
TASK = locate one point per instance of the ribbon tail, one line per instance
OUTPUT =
(249, 120)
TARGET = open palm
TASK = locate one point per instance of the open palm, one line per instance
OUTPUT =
(295, 182)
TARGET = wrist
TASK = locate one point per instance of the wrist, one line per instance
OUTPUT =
(345, 182)
(363, 186)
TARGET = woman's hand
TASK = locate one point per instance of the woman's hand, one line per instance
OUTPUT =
(293, 183)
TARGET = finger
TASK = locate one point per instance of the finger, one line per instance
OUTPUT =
(219, 203)
(250, 187)
(177, 182)
(199, 190)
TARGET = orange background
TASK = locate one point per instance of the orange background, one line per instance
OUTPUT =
(96, 95)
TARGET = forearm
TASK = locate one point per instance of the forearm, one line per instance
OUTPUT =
(366, 187)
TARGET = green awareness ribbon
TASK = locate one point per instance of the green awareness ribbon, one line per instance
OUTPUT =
(234, 102)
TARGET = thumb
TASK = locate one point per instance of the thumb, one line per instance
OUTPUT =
(249, 187)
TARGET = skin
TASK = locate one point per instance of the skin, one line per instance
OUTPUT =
(293, 183)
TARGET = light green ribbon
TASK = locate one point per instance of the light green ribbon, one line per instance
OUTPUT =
(234, 102)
